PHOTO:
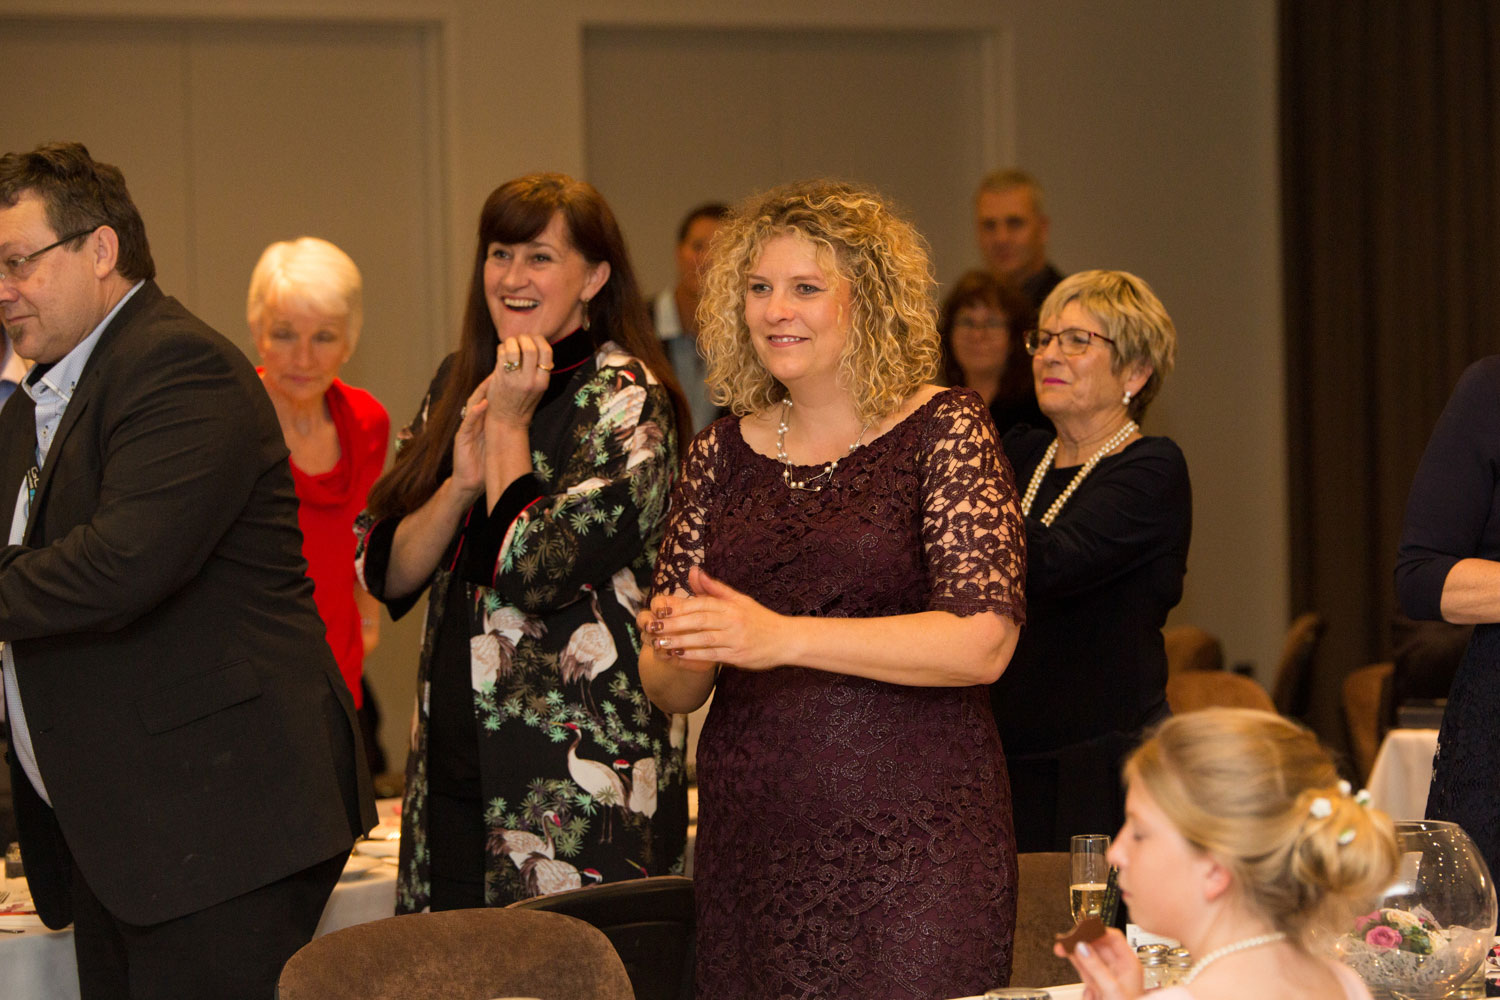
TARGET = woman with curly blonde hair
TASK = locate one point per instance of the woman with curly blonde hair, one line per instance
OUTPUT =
(843, 565)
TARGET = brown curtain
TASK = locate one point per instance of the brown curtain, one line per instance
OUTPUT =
(1390, 143)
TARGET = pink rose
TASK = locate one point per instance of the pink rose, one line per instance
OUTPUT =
(1383, 937)
(1360, 923)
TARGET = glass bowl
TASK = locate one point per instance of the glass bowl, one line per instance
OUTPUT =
(1431, 929)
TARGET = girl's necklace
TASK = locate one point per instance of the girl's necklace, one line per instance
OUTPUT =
(1229, 949)
(1117, 439)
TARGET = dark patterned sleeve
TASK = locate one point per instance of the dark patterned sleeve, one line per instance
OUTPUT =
(690, 516)
(972, 530)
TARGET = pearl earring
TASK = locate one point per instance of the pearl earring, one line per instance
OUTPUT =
(1126, 400)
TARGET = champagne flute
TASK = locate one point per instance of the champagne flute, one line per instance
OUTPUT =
(1090, 875)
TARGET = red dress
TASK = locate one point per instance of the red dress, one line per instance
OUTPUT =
(327, 506)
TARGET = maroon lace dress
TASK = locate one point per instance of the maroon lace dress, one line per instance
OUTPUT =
(854, 837)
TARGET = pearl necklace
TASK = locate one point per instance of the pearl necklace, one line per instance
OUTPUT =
(786, 463)
(1229, 949)
(1032, 487)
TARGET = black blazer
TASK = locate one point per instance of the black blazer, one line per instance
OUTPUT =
(192, 729)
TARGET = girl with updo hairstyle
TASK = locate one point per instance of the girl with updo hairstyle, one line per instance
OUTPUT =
(1240, 841)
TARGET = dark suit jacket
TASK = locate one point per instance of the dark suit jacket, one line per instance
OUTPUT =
(190, 724)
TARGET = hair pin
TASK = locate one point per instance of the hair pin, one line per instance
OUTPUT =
(1321, 808)
(1362, 797)
(1345, 788)
(1346, 836)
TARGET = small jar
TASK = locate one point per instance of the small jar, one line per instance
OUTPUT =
(1153, 969)
(1179, 961)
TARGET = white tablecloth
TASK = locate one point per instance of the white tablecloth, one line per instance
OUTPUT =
(1402, 772)
(39, 964)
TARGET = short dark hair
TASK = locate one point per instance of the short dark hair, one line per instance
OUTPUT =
(718, 211)
(80, 193)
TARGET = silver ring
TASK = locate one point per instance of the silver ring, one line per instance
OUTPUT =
(511, 366)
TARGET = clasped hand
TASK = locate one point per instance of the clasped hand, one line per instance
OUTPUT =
(505, 400)
(715, 624)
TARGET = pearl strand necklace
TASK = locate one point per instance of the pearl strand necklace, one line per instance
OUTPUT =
(1229, 949)
(786, 463)
(1117, 439)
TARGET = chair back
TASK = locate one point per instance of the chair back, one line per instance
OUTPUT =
(1366, 693)
(1042, 913)
(477, 953)
(649, 921)
(1215, 689)
(1292, 687)
(1191, 648)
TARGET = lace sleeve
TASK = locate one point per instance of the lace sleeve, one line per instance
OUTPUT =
(690, 516)
(972, 530)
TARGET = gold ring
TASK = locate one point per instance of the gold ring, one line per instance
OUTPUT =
(511, 366)
(545, 368)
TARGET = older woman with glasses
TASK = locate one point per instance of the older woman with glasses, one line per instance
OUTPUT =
(1108, 515)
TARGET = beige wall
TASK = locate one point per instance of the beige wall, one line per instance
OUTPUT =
(1152, 124)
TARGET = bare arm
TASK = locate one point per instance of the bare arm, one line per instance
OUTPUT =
(1471, 592)
(369, 618)
(424, 534)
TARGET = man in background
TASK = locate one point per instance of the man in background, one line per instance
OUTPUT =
(675, 310)
(1011, 226)
(186, 767)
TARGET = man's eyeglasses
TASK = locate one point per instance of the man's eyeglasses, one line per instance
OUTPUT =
(1072, 341)
(14, 269)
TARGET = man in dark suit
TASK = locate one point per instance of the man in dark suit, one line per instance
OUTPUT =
(187, 769)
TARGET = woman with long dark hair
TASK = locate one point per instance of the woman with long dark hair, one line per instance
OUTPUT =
(527, 498)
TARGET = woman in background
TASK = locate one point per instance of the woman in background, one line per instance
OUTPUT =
(528, 501)
(1240, 841)
(1448, 568)
(1108, 516)
(305, 310)
(842, 567)
(983, 323)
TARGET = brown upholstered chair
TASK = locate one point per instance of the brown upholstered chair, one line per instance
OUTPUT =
(468, 954)
(1041, 913)
(1215, 689)
(651, 923)
(1191, 648)
(1366, 692)
(1292, 688)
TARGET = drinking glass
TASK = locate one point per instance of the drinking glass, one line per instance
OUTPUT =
(1090, 875)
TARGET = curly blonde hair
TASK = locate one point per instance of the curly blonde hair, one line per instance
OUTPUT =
(892, 347)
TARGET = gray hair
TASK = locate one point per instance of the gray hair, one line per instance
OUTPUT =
(311, 272)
